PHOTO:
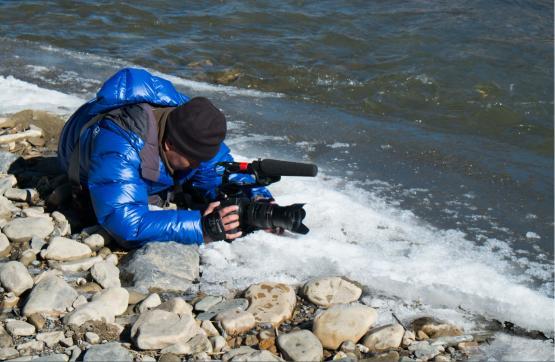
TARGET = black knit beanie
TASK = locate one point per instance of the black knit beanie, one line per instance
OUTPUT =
(196, 129)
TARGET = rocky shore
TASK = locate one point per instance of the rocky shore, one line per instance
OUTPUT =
(70, 293)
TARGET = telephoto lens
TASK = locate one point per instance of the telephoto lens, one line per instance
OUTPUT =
(264, 215)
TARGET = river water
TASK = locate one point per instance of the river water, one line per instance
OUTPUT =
(434, 114)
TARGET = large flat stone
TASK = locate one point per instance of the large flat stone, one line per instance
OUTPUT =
(106, 274)
(331, 290)
(301, 346)
(104, 306)
(24, 228)
(15, 277)
(112, 351)
(343, 322)
(271, 302)
(51, 296)
(157, 329)
(384, 338)
(64, 249)
(161, 267)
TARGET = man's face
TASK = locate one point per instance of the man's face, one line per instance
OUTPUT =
(177, 160)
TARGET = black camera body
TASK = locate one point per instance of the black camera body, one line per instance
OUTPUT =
(263, 214)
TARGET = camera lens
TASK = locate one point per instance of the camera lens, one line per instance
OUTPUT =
(265, 216)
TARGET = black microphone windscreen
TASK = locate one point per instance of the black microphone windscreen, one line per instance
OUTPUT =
(285, 168)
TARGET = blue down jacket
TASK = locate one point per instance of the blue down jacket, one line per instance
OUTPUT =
(110, 165)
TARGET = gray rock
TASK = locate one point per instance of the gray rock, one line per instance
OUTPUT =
(104, 306)
(75, 266)
(257, 356)
(207, 302)
(37, 244)
(5, 339)
(176, 305)
(95, 241)
(424, 350)
(31, 347)
(198, 344)
(92, 337)
(51, 296)
(5, 246)
(6, 208)
(15, 277)
(7, 182)
(218, 343)
(19, 328)
(162, 266)
(6, 160)
(8, 353)
(157, 329)
(106, 274)
(449, 341)
(16, 194)
(23, 229)
(238, 303)
(64, 249)
(150, 302)
(57, 357)
(301, 346)
(50, 338)
(112, 351)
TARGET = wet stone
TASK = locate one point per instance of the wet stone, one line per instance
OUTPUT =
(5, 246)
(23, 229)
(112, 351)
(50, 338)
(238, 303)
(64, 249)
(104, 306)
(8, 353)
(106, 274)
(162, 266)
(207, 302)
(157, 329)
(5, 338)
(15, 277)
(301, 346)
(20, 328)
(51, 296)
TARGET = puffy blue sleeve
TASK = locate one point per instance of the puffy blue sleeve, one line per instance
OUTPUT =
(207, 180)
(120, 198)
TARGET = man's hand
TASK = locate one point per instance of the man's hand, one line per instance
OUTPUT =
(227, 216)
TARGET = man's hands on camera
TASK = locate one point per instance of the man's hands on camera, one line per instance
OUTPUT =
(220, 224)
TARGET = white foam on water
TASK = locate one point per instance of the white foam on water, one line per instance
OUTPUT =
(17, 95)
(388, 250)
(511, 348)
(216, 88)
